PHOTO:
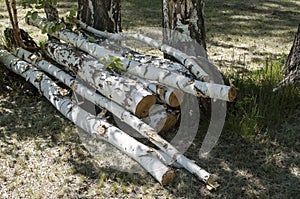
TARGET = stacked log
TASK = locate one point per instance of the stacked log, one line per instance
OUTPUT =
(146, 95)
(165, 77)
(147, 157)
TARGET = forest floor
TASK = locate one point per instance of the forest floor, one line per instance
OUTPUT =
(42, 155)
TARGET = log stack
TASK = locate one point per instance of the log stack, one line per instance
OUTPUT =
(146, 95)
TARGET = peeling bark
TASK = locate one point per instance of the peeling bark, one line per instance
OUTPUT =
(128, 93)
(91, 96)
(183, 58)
(174, 155)
(99, 128)
(148, 71)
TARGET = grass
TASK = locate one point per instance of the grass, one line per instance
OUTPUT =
(258, 108)
(42, 156)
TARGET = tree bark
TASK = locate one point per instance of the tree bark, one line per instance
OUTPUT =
(161, 118)
(170, 96)
(88, 94)
(186, 18)
(182, 57)
(130, 94)
(147, 132)
(51, 11)
(13, 15)
(292, 65)
(147, 71)
(99, 128)
(166, 147)
(103, 15)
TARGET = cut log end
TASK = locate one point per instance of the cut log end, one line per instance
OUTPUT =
(232, 93)
(175, 98)
(142, 109)
(170, 122)
(168, 177)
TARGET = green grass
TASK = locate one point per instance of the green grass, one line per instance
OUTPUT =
(257, 107)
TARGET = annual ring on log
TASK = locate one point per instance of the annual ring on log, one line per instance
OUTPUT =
(143, 107)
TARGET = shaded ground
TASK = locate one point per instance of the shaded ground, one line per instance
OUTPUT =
(42, 156)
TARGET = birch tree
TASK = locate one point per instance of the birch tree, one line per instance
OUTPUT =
(103, 15)
(292, 65)
(186, 18)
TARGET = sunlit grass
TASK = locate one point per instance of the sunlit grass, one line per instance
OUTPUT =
(257, 107)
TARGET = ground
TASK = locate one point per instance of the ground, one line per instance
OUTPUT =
(42, 155)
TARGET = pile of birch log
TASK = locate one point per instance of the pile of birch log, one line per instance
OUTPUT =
(131, 86)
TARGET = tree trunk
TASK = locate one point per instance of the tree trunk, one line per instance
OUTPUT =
(151, 135)
(292, 65)
(51, 11)
(13, 15)
(99, 128)
(130, 94)
(147, 71)
(88, 94)
(103, 15)
(182, 57)
(186, 18)
(161, 118)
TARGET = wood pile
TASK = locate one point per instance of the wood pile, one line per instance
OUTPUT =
(145, 93)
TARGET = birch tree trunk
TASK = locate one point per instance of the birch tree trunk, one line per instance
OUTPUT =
(144, 70)
(186, 18)
(170, 96)
(148, 157)
(172, 153)
(182, 57)
(51, 11)
(292, 65)
(103, 15)
(130, 94)
(161, 118)
(99, 100)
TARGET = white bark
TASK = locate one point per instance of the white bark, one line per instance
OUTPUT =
(170, 96)
(144, 129)
(192, 86)
(129, 93)
(182, 57)
(89, 94)
(97, 127)
(161, 119)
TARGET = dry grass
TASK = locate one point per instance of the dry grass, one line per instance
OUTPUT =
(42, 155)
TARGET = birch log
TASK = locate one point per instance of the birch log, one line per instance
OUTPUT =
(182, 57)
(91, 96)
(144, 129)
(147, 157)
(129, 93)
(170, 96)
(168, 78)
(161, 119)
